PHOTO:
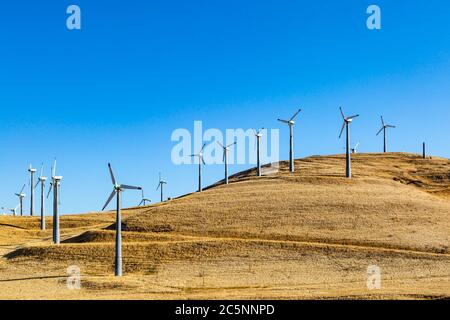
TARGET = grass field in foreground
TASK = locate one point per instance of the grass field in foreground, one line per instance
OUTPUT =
(311, 234)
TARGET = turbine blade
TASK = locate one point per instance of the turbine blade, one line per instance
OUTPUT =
(22, 188)
(203, 161)
(159, 184)
(218, 142)
(109, 199)
(284, 121)
(380, 131)
(389, 126)
(113, 179)
(230, 145)
(54, 169)
(342, 113)
(50, 190)
(202, 147)
(124, 186)
(342, 130)
(140, 203)
(352, 117)
(42, 170)
(296, 114)
(37, 183)
(382, 121)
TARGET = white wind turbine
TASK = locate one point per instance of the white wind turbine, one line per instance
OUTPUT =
(41, 181)
(55, 185)
(225, 157)
(258, 135)
(144, 199)
(12, 210)
(291, 124)
(117, 190)
(161, 184)
(200, 162)
(346, 125)
(383, 128)
(21, 196)
(32, 171)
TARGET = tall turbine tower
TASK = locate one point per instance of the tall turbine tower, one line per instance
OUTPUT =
(200, 162)
(225, 157)
(117, 190)
(258, 135)
(21, 195)
(291, 124)
(161, 184)
(54, 185)
(345, 125)
(32, 172)
(41, 181)
(383, 128)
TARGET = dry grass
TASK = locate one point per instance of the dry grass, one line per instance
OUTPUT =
(308, 235)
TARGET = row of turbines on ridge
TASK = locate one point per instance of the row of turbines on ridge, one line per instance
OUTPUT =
(119, 188)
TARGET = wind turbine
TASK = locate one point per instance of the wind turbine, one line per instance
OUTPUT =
(355, 148)
(144, 200)
(383, 128)
(21, 195)
(345, 125)
(13, 210)
(258, 136)
(225, 157)
(291, 124)
(200, 162)
(32, 172)
(117, 190)
(161, 184)
(41, 181)
(54, 185)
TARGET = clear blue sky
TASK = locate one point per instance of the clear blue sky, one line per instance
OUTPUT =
(137, 70)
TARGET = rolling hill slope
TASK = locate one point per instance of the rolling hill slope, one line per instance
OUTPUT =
(311, 234)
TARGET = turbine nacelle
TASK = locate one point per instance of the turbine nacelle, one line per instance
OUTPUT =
(31, 169)
(200, 154)
(291, 121)
(258, 134)
(347, 121)
(384, 126)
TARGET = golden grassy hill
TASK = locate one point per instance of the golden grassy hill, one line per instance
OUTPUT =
(311, 234)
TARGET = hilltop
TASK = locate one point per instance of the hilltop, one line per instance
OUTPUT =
(311, 234)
